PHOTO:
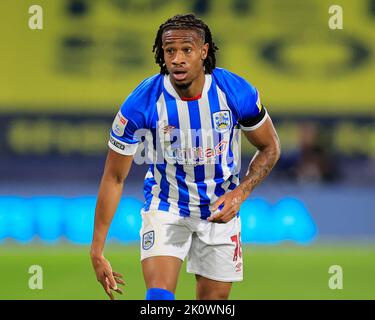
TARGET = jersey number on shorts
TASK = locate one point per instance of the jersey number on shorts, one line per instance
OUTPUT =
(237, 251)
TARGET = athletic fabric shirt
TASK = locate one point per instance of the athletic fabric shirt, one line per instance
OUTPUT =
(192, 145)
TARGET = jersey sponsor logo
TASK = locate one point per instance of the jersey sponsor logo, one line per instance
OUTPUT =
(148, 240)
(168, 129)
(222, 121)
(119, 124)
(116, 143)
(195, 155)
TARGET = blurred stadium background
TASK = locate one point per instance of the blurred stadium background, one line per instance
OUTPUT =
(61, 87)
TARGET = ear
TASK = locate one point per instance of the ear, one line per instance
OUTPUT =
(204, 51)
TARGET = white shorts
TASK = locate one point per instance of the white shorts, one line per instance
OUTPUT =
(213, 250)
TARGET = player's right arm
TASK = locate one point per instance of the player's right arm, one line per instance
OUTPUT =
(116, 169)
(123, 143)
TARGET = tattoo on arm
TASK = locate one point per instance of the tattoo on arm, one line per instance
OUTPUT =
(259, 168)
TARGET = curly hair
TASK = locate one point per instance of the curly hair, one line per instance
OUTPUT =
(186, 21)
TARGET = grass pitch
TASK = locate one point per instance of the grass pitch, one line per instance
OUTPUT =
(270, 272)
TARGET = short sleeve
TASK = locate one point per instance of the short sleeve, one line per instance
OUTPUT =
(252, 114)
(243, 98)
(122, 139)
(130, 118)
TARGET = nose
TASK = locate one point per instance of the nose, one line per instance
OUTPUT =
(178, 58)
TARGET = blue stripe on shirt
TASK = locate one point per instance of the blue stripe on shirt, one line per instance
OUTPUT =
(183, 192)
(199, 172)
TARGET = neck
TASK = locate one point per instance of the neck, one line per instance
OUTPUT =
(194, 90)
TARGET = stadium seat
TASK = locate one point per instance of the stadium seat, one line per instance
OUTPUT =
(78, 219)
(48, 218)
(127, 221)
(293, 221)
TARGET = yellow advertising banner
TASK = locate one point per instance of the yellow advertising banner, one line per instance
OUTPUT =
(87, 56)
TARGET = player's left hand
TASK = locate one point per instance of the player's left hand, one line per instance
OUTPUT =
(230, 203)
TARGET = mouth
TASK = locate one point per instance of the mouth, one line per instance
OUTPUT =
(179, 75)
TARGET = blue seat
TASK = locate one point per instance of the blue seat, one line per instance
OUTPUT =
(78, 219)
(20, 219)
(48, 218)
(293, 221)
(256, 221)
(127, 222)
(5, 203)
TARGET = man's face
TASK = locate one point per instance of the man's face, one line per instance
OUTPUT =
(184, 52)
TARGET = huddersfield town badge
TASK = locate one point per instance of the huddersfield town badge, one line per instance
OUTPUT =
(148, 240)
(222, 121)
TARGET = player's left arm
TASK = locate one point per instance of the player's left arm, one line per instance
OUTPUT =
(267, 142)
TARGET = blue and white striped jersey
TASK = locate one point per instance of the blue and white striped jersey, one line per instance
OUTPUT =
(193, 146)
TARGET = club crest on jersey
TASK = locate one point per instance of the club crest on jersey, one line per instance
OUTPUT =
(222, 121)
(119, 124)
(148, 240)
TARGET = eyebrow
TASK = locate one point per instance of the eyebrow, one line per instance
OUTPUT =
(172, 41)
(175, 41)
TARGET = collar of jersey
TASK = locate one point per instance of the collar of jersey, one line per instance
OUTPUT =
(171, 90)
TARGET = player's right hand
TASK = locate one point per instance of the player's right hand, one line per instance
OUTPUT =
(108, 278)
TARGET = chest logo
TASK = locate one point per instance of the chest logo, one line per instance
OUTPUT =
(222, 121)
